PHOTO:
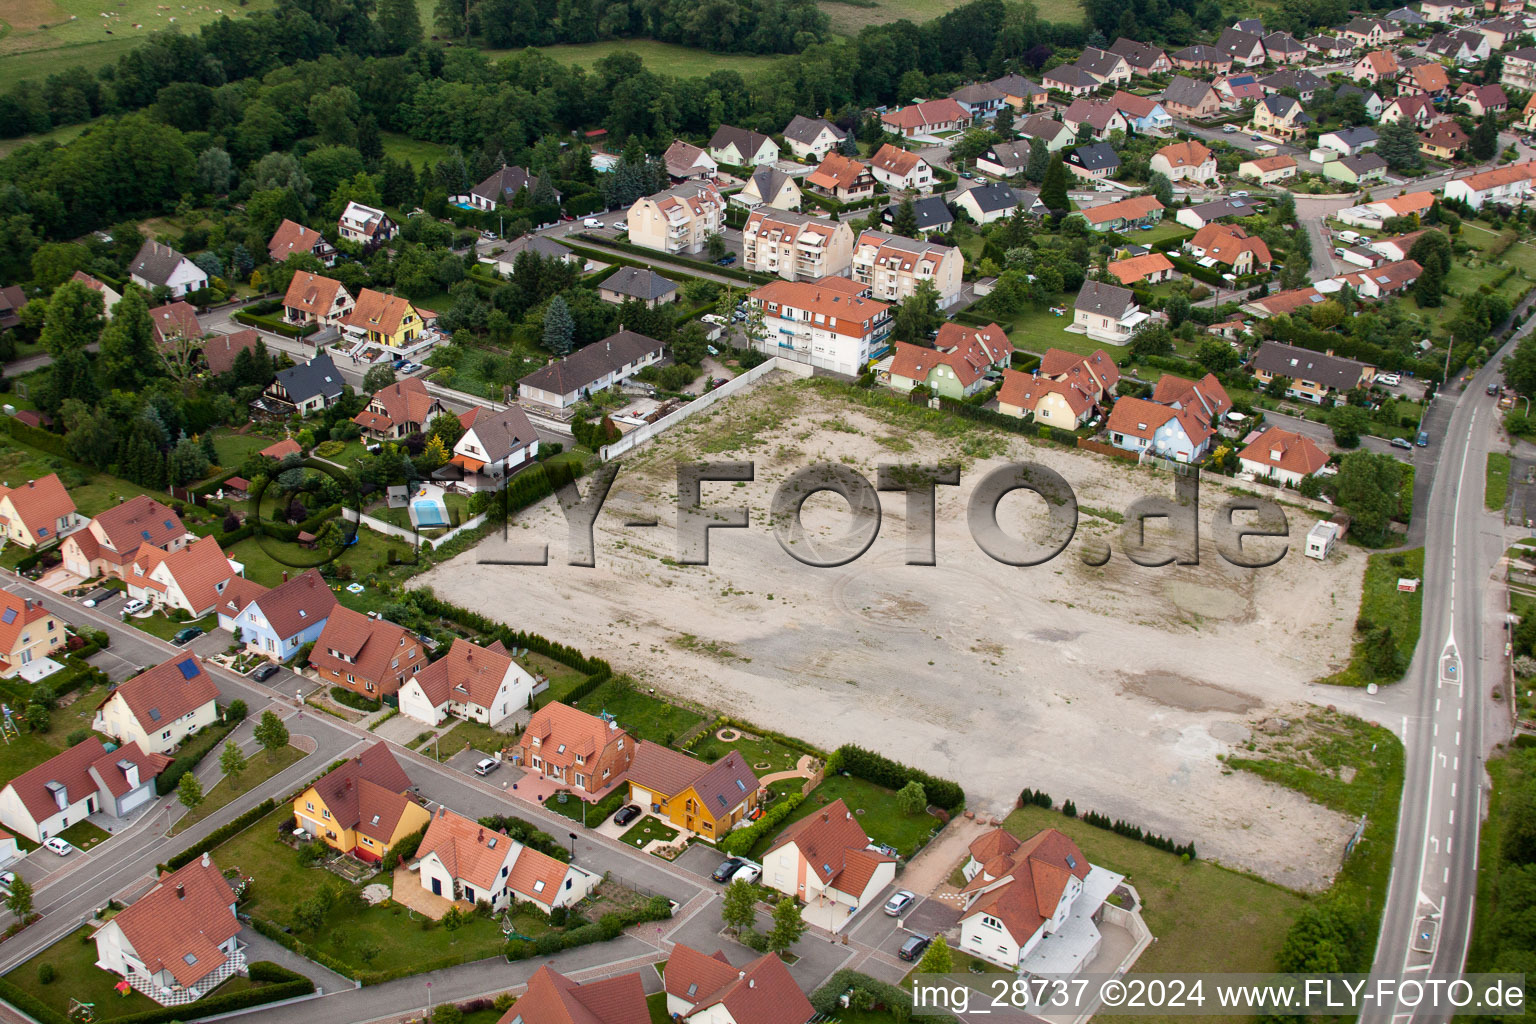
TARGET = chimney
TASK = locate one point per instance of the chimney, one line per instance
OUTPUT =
(205, 858)
(181, 891)
(26, 604)
(285, 575)
(480, 836)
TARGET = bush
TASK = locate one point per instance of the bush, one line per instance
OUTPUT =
(405, 849)
(739, 841)
(346, 698)
(278, 983)
(657, 908)
(46, 974)
(882, 771)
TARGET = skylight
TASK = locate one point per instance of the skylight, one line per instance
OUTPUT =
(538, 886)
(190, 958)
(154, 714)
(144, 534)
(375, 819)
(188, 668)
(9, 616)
(1071, 861)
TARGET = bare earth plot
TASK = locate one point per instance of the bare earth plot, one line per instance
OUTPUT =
(1118, 687)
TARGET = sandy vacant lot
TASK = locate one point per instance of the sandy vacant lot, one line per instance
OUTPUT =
(1117, 686)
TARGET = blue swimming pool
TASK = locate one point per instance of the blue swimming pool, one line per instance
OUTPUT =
(428, 512)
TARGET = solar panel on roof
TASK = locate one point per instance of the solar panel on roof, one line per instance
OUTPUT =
(9, 616)
(188, 669)
(144, 534)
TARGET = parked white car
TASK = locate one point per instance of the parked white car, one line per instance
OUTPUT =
(135, 606)
(60, 846)
(1390, 380)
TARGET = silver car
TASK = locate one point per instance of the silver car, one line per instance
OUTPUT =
(899, 903)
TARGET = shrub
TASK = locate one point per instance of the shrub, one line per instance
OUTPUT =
(405, 849)
(46, 974)
(740, 840)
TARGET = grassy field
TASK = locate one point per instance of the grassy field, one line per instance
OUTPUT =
(73, 959)
(165, 628)
(848, 18)
(562, 678)
(9, 146)
(646, 829)
(33, 748)
(473, 734)
(876, 810)
(764, 756)
(235, 448)
(413, 151)
(261, 557)
(1384, 605)
(1205, 917)
(662, 58)
(640, 714)
(259, 768)
(1496, 492)
(96, 494)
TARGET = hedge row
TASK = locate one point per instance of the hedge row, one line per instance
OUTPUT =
(739, 841)
(431, 604)
(825, 1000)
(606, 928)
(1136, 832)
(219, 835)
(37, 437)
(188, 759)
(278, 983)
(304, 949)
(777, 737)
(1012, 424)
(275, 325)
(528, 834)
(882, 771)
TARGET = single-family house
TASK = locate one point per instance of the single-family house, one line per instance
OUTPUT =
(1119, 216)
(1416, 109)
(926, 118)
(1107, 67)
(1382, 281)
(365, 225)
(1238, 92)
(1284, 48)
(502, 187)
(708, 990)
(363, 806)
(1191, 98)
(994, 201)
(1048, 130)
(161, 706)
(291, 237)
(979, 99)
(553, 998)
(77, 782)
(771, 187)
(637, 284)
(707, 800)
(1376, 67)
(1205, 397)
(892, 267)
(1428, 78)
(366, 654)
(685, 162)
(1152, 267)
(1033, 906)
(1461, 46)
(1144, 58)
(285, 618)
(1137, 425)
(1406, 17)
(1373, 102)
(678, 220)
(825, 860)
(1527, 120)
(957, 365)
(110, 542)
(180, 940)
(496, 445)
(1245, 48)
(160, 266)
(190, 579)
(1313, 376)
(174, 324)
(589, 369)
(477, 684)
(931, 212)
(1185, 161)
(38, 512)
(1060, 404)
(390, 322)
(1299, 80)
(1397, 247)
(1285, 302)
(312, 299)
(1356, 170)
(831, 323)
(1266, 170)
(307, 388)
(1508, 184)
(1005, 159)
(1280, 117)
(399, 410)
(842, 178)
(900, 170)
(13, 298)
(459, 859)
(1282, 455)
(1365, 32)
(1021, 93)
(1072, 80)
(1445, 11)
(795, 246)
(812, 138)
(1443, 141)
(1094, 161)
(1202, 57)
(1483, 99)
(1107, 312)
(580, 751)
(1097, 375)
(1349, 141)
(742, 148)
(1093, 118)
(1143, 113)
(1328, 47)
(29, 632)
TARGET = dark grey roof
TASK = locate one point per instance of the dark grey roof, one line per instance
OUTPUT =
(318, 377)
(1406, 16)
(502, 433)
(1138, 55)
(1300, 79)
(993, 196)
(747, 143)
(769, 180)
(805, 129)
(932, 214)
(1018, 85)
(1105, 299)
(1289, 361)
(541, 244)
(1280, 104)
(1073, 75)
(1223, 208)
(1096, 157)
(639, 283)
(1363, 163)
(1189, 92)
(586, 365)
(156, 263)
(1100, 63)
(1009, 155)
(1282, 42)
(1201, 52)
(1043, 127)
(503, 185)
(977, 93)
(1351, 89)
(1329, 43)
(1251, 25)
(1238, 43)
(1357, 136)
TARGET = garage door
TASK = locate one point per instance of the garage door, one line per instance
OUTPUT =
(638, 795)
(138, 798)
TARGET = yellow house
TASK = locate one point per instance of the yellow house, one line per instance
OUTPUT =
(386, 320)
(28, 633)
(362, 807)
(706, 799)
(1063, 404)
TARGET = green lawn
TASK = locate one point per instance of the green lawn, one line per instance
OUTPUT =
(413, 151)
(1205, 917)
(647, 829)
(1036, 330)
(1496, 492)
(662, 58)
(1506, 772)
(261, 555)
(83, 835)
(1384, 605)
(164, 627)
(1168, 228)
(764, 756)
(643, 716)
(656, 1002)
(848, 18)
(875, 808)
(37, 65)
(8, 146)
(33, 748)
(260, 767)
(562, 678)
(458, 512)
(92, 492)
(475, 734)
(350, 452)
(235, 448)
(77, 977)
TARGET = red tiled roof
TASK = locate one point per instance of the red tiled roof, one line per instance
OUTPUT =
(1025, 390)
(220, 350)
(536, 876)
(313, 294)
(831, 842)
(895, 161)
(70, 767)
(468, 674)
(139, 521)
(920, 115)
(291, 237)
(301, 602)
(468, 849)
(200, 570)
(558, 725)
(282, 449)
(1184, 154)
(175, 319)
(1096, 373)
(1137, 417)
(761, 993)
(16, 614)
(376, 311)
(1138, 268)
(370, 785)
(40, 504)
(552, 998)
(164, 693)
(369, 644)
(1287, 450)
(1040, 869)
(1133, 208)
(694, 977)
(185, 917)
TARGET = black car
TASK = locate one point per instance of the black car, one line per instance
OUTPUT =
(913, 947)
(627, 814)
(264, 673)
(724, 872)
(186, 636)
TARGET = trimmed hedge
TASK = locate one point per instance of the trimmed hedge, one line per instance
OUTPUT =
(739, 841)
(528, 834)
(606, 928)
(431, 604)
(224, 832)
(304, 949)
(898, 1000)
(777, 737)
(37, 437)
(278, 983)
(405, 849)
(275, 325)
(882, 771)
(1136, 832)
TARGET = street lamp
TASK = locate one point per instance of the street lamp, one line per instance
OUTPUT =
(573, 846)
(429, 999)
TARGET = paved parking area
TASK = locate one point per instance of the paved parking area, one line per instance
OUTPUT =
(1522, 492)
(114, 665)
(700, 860)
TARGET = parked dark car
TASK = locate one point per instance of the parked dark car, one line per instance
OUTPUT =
(627, 814)
(1423, 439)
(186, 636)
(726, 260)
(913, 947)
(724, 872)
(264, 673)
(1493, 389)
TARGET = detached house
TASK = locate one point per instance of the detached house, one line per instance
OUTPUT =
(842, 178)
(38, 512)
(28, 633)
(1033, 906)
(1094, 117)
(1142, 112)
(160, 266)
(306, 388)
(1280, 117)
(462, 860)
(502, 187)
(979, 99)
(1072, 80)
(1059, 404)
(1376, 67)
(285, 618)
(685, 162)
(1427, 78)
(812, 138)
(1005, 159)
(1096, 375)
(190, 578)
(926, 118)
(1416, 109)
(109, 543)
(496, 445)
(366, 654)
(1152, 267)
(741, 148)
(1021, 93)
(1349, 141)
(1106, 312)
(477, 684)
(769, 186)
(1094, 162)
(1201, 57)
(586, 371)
(1481, 99)
(1230, 247)
(578, 750)
(900, 170)
(13, 298)
(825, 860)
(174, 322)
(291, 237)
(1189, 98)
(708, 990)
(180, 940)
(1106, 67)
(312, 299)
(363, 806)
(160, 707)
(1137, 425)
(1048, 130)
(402, 409)
(994, 201)
(366, 226)
(76, 783)
(389, 322)
(706, 799)
(1461, 46)
(1282, 455)
(957, 365)
(551, 996)
(1357, 170)
(221, 350)
(677, 220)
(1121, 215)
(1313, 376)
(1443, 141)
(1185, 161)
(1143, 58)
(1244, 48)
(638, 284)
(1267, 170)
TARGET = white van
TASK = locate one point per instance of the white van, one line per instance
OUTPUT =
(591, 222)
(1351, 237)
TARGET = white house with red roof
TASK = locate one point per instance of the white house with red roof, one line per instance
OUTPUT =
(83, 780)
(826, 861)
(481, 684)
(1033, 906)
(192, 578)
(552, 998)
(179, 941)
(160, 707)
(37, 512)
(291, 237)
(708, 990)
(110, 542)
(28, 633)
(403, 408)
(460, 859)
(1137, 425)
(1282, 455)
